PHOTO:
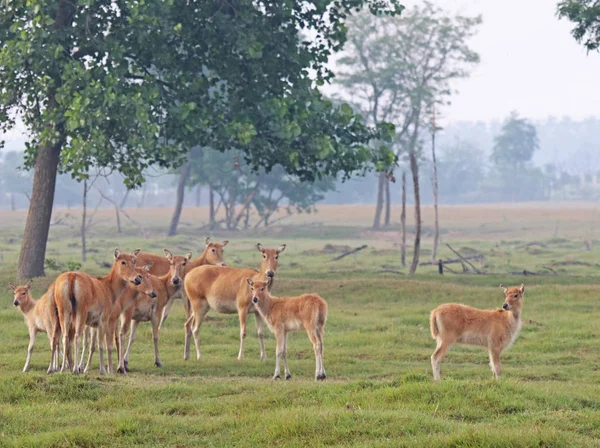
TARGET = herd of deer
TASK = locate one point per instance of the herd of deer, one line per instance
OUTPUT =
(83, 310)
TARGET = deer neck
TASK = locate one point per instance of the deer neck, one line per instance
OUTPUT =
(170, 288)
(115, 284)
(200, 261)
(27, 307)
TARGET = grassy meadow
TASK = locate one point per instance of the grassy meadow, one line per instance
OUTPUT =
(379, 390)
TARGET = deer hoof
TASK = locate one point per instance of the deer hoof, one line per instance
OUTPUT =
(288, 377)
(321, 377)
(276, 377)
(158, 364)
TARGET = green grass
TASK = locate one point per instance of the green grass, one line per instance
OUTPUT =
(379, 390)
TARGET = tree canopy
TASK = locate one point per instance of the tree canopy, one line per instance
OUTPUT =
(586, 16)
(516, 142)
(125, 85)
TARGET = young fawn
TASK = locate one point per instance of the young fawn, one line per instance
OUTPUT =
(224, 290)
(41, 317)
(495, 329)
(151, 310)
(286, 314)
(83, 301)
(211, 255)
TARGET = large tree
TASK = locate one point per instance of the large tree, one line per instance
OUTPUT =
(398, 68)
(124, 85)
(586, 16)
(515, 144)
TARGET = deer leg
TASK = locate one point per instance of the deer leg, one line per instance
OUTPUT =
(260, 328)
(243, 315)
(436, 358)
(495, 362)
(165, 312)
(155, 326)
(192, 327)
(125, 325)
(131, 339)
(280, 341)
(288, 375)
(101, 346)
(94, 336)
(32, 334)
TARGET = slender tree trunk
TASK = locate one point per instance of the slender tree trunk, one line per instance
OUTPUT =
(198, 195)
(124, 200)
(414, 168)
(388, 203)
(12, 202)
(211, 206)
(247, 219)
(83, 221)
(183, 177)
(379, 206)
(37, 226)
(403, 222)
(118, 217)
(436, 231)
(140, 204)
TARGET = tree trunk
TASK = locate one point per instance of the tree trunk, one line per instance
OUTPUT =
(414, 168)
(388, 203)
(37, 226)
(83, 223)
(403, 222)
(247, 219)
(183, 177)
(12, 202)
(379, 206)
(118, 216)
(211, 206)
(436, 230)
(124, 200)
(198, 195)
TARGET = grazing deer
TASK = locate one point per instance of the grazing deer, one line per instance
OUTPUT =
(283, 315)
(84, 300)
(146, 310)
(495, 329)
(40, 317)
(224, 290)
(212, 255)
(125, 301)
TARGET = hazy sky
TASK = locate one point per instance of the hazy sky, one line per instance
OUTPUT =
(529, 62)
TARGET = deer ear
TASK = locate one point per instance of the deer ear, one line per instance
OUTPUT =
(207, 241)
(189, 255)
(260, 247)
(136, 252)
(28, 285)
(168, 254)
(148, 267)
(503, 288)
(281, 248)
(11, 286)
(250, 282)
(522, 288)
(225, 243)
(117, 253)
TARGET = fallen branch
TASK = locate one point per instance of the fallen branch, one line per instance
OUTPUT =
(533, 243)
(463, 259)
(350, 252)
(452, 260)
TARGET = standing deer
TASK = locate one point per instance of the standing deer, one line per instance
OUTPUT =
(125, 301)
(286, 314)
(224, 290)
(495, 329)
(151, 310)
(40, 317)
(212, 255)
(84, 300)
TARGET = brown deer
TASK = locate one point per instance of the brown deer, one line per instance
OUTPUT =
(84, 300)
(212, 255)
(125, 301)
(146, 310)
(495, 329)
(40, 317)
(224, 290)
(284, 315)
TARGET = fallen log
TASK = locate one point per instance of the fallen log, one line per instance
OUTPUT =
(463, 259)
(350, 252)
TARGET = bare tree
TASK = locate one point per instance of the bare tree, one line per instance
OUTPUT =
(184, 174)
(403, 222)
(436, 229)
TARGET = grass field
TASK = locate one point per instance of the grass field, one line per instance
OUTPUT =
(379, 390)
